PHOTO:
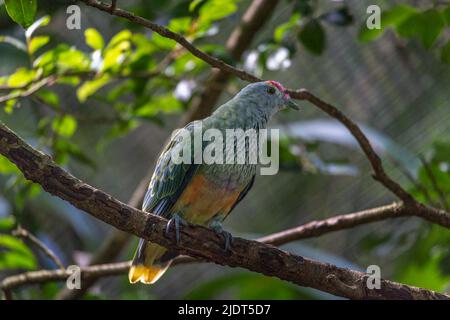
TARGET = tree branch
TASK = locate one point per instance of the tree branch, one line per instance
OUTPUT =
(197, 241)
(25, 235)
(312, 229)
(308, 230)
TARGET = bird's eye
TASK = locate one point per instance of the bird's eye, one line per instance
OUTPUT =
(271, 90)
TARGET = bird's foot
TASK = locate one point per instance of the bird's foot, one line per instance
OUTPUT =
(176, 220)
(218, 229)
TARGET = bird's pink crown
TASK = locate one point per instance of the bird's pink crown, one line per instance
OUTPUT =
(279, 86)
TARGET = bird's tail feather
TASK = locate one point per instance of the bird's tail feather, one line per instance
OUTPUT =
(149, 263)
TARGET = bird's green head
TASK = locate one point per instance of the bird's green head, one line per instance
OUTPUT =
(270, 96)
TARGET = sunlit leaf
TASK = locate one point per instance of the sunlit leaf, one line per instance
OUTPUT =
(214, 10)
(15, 254)
(63, 58)
(65, 126)
(90, 87)
(166, 104)
(7, 167)
(21, 77)
(94, 39)
(7, 223)
(124, 35)
(284, 28)
(180, 25)
(48, 97)
(9, 107)
(37, 42)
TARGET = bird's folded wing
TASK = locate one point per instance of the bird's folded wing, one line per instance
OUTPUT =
(169, 179)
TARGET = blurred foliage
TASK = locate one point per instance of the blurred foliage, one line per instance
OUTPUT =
(425, 258)
(409, 22)
(14, 254)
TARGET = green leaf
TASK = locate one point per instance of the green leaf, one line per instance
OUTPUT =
(214, 10)
(14, 42)
(282, 29)
(180, 25)
(69, 80)
(124, 35)
(63, 58)
(392, 17)
(312, 36)
(89, 87)
(14, 254)
(426, 26)
(10, 105)
(21, 11)
(94, 39)
(65, 126)
(41, 22)
(21, 77)
(445, 53)
(117, 50)
(7, 223)
(49, 97)
(37, 42)
(446, 15)
(15, 260)
(167, 104)
(7, 167)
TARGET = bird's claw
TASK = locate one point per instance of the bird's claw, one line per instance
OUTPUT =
(176, 220)
(228, 238)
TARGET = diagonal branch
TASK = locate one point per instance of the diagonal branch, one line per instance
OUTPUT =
(308, 230)
(197, 241)
(311, 229)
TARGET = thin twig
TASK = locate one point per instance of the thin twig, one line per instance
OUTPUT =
(419, 186)
(26, 235)
(434, 183)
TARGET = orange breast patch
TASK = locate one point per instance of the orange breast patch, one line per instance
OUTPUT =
(202, 200)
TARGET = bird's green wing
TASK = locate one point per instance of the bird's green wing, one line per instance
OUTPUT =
(169, 179)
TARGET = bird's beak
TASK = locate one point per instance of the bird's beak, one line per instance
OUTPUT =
(291, 104)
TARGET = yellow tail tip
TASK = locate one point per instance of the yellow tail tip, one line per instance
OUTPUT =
(146, 274)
